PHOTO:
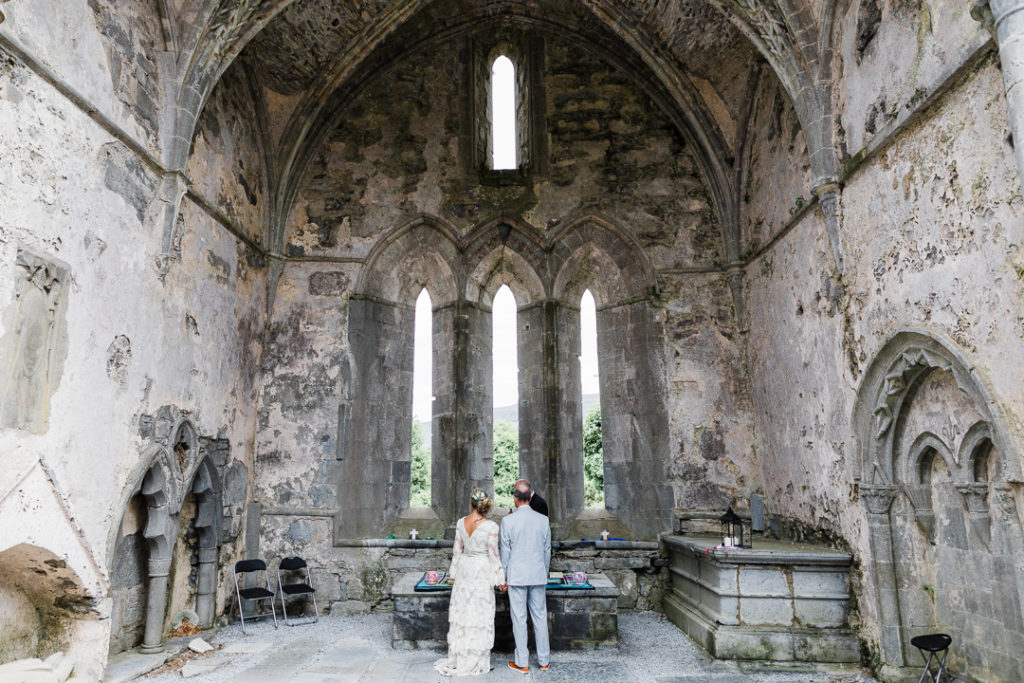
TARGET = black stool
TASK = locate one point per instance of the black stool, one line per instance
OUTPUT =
(937, 647)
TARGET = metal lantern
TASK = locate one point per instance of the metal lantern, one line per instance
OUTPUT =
(732, 528)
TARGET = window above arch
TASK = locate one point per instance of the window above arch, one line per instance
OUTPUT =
(503, 113)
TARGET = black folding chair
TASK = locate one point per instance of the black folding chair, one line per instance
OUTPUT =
(293, 566)
(256, 594)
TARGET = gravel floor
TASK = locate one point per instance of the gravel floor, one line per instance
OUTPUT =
(651, 649)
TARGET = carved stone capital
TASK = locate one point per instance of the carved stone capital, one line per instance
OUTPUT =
(1005, 501)
(828, 201)
(878, 499)
(976, 496)
(920, 496)
(159, 566)
(734, 274)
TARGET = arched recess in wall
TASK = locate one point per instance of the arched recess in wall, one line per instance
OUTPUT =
(505, 252)
(594, 253)
(376, 413)
(938, 475)
(175, 471)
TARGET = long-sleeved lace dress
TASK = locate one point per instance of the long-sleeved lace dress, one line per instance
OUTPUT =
(476, 568)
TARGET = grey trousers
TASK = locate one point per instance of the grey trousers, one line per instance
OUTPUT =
(534, 597)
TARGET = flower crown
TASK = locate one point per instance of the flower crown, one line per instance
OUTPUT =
(477, 496)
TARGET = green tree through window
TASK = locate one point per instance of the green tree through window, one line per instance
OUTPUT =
(506, 462)
(593, 460)
(419, 494)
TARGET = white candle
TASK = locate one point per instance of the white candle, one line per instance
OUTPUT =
(727, 541)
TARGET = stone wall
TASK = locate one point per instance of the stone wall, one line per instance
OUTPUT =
(930, 220)
(135, 321)
(395, 156)
(356, 579)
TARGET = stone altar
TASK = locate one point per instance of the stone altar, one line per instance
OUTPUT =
(778, 602)
(577, 619)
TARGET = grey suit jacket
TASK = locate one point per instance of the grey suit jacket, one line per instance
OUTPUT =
(525, 547)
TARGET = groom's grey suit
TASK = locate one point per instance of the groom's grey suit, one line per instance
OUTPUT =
(526, 553)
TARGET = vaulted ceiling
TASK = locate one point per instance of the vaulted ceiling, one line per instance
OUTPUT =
(700, 60)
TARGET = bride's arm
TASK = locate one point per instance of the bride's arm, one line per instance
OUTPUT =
(497, 571)
(456, 553)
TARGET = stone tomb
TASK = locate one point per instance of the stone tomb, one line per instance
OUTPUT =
(577, 619)
(778, 602)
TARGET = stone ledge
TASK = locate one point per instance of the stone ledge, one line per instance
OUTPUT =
(772, 552)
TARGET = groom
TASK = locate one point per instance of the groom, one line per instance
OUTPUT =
(526, 554)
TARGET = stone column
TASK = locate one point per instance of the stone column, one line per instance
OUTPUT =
(373, 485)
(877, 501)
(1005, 20)
(1009, 547)
(156, 605)
(206, 590)
(565, 447)
(461, 457)
(474, 401)
(533, 347)
(634, 417)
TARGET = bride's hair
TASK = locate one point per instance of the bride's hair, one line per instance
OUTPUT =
(480, 501)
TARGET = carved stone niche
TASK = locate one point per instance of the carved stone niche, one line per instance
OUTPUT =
(34, 343)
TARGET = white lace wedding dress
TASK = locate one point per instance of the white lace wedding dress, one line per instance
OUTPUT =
(476, 569)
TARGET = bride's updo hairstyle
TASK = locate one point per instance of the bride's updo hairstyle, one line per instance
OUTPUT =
(480, 501)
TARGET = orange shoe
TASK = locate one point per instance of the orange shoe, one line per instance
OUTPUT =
(544, 667)
(520, 669)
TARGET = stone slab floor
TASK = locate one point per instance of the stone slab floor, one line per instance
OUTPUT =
(350, 649)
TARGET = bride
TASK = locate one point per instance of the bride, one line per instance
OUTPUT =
(476, 569)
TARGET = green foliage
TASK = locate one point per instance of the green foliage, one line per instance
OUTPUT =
(506, 462)
(593, 460)
(419, 494)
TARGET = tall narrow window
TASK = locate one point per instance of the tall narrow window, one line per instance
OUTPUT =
(593, 451)
(503, 114)
(505, 360)
(422, 402)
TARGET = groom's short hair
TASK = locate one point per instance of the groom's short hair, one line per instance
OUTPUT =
(522, 491)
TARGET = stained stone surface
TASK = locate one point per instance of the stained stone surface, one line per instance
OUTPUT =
(801, 221)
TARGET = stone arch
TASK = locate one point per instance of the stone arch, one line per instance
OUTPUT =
(594, 253)
(924, 447)
(922, 391)
(886, 386)
(979, 454)
(420, 254)
(169, 471)
(505, 252)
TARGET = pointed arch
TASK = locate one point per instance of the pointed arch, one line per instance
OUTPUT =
(421, 254)
(595, 253)
(885, 388)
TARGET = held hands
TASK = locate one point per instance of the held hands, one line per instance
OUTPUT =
(503, 587)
